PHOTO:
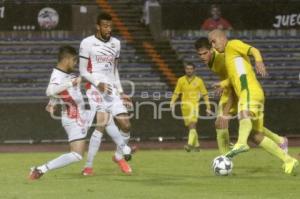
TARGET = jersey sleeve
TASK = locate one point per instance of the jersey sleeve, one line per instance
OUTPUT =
(202, 88)
(240, 47)
(118, 50)
(56, 86)
(177, 91)
(84, 50)
(84, 54)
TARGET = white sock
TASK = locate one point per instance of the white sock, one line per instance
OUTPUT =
(113, 131)
(94, 146)
(119, 152)
(126, 136)
(61, 161)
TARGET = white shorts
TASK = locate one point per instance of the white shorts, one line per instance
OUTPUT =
(77, 129)
(98, 103)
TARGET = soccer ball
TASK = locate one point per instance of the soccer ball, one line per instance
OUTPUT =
(222, 165)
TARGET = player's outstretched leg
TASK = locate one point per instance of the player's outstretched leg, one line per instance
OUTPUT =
(281, 141)
(61, 161)
(94, 145)
(289, 163)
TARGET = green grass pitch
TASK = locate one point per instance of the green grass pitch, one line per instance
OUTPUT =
(159, 174)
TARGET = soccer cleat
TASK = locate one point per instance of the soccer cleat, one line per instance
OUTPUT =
(284, 146)
(123, 165)
(237, 149)
(289, 167)
(88, 171)
(188, 148)
(127, 157)
(35, 174)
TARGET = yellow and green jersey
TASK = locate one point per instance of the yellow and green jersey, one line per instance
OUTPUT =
(240, 72)
(192, 89)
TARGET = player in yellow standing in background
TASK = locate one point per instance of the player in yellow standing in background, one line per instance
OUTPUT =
(192, 89)
(250, 95)
(216, 63)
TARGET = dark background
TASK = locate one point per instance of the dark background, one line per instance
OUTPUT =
(241, 14)
(19, 14)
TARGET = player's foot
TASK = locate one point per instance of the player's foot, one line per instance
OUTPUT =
(284, 146)
(88, 171)
(123, 165)
(127, 151)
(289, 167)
(188, 148)
(35, 174)
(237, 149)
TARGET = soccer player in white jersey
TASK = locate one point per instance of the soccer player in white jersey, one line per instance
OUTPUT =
(64, 88)
(99, 55)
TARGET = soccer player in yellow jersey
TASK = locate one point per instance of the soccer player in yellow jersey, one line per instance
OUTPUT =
(249, 93)
(191, 88)
(216, 63)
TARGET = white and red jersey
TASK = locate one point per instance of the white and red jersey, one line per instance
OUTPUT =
(101, 56)
(61, 89)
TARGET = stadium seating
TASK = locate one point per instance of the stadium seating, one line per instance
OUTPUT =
(25, 68)
(26, 61)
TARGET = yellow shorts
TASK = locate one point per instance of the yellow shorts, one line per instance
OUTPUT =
(190, 112)
(223, 100)
(255, 105)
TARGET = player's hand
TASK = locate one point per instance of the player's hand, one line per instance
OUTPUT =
(261, 69)
(126, 101)
(105, 88)
(218, 88)
(50, 108)
(209, 112)
(76, 81)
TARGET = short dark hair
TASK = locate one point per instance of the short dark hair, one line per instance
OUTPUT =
(202, 42)
(103, 16)
(65, 51)
(190, 64)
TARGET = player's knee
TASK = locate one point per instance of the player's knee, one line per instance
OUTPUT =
(78, 157)
(257, 137)
(100, 128)
(192, 125)
(244, 115)
(218, 124)
(125, 127)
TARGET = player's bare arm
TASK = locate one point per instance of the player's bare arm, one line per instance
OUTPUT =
(207, 104)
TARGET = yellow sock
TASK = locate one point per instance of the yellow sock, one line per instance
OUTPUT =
(244, 131)
(191, 138)
(223, 140)
(276, 138)
(274, 149)
(196, 140)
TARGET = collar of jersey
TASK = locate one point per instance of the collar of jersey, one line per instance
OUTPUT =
(101, 39)
(61, 70)
(187, 79)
